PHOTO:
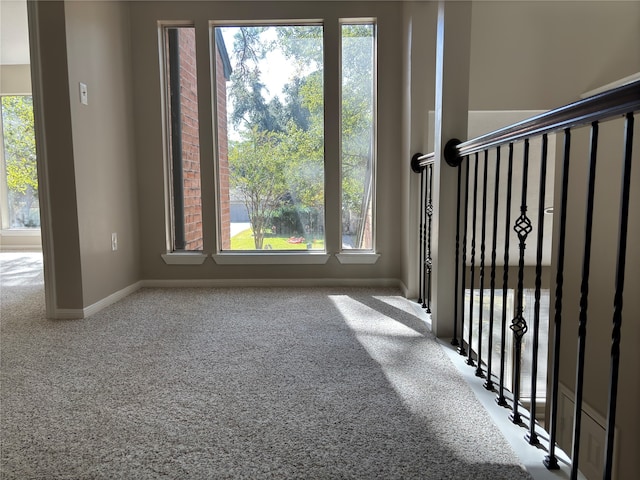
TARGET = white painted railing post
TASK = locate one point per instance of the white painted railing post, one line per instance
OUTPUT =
(452, 105)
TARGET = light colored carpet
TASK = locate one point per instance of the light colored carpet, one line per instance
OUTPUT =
(237, 383)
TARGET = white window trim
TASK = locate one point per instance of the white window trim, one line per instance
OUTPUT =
(20, 232)
(229, 257)
(184, 258)
(352, 258)
(363, 257)
(239, 257)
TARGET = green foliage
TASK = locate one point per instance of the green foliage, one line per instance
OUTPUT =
(20, 158)
(257, 172)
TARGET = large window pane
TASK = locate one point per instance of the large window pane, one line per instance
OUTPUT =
(19, 188)
(270, 137)
(358, 135)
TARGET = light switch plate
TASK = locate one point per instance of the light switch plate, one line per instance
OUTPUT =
(84, 94)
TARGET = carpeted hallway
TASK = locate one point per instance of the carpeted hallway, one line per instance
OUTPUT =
(235, 383)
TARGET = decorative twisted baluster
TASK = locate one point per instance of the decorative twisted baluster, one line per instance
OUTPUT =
(428, 260)
(550, 461)
(584, 302)
(501, 400)
(473, 258)
(532, 436)
(461, 349)
(479, 372)
(424, 242)
(489, 383)
(518, 324)
(617, 302)
(454, 341)
(420, 230)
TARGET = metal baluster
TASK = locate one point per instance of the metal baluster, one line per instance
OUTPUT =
(501, 400)
(461, 349)
(454, 342)
(518, 324)
(532, 436)
(550, 461)
(479, 372)
(489, 383)
(428, 259)
(584, 302)
(617, 302)
(420, 229)
(473, 258)
(424, 243)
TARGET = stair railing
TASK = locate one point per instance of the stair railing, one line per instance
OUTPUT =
(473, 156)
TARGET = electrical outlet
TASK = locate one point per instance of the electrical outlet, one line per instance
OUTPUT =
(114, 242)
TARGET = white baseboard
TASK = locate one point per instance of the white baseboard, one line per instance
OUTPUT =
(276, 282)
(67, 314)
(76, 313)
(111, 299)
(404, 289)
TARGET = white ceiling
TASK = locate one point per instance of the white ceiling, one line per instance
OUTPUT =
(14, 33)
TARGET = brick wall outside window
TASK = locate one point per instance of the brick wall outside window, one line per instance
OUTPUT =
(190, 141)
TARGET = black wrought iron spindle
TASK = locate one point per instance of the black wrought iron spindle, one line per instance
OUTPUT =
(483, 229)
(454, 341)
(617, 302)
(420, 229)
(584, 302)
(473, 258)
(550, 461)
(518, 324)
(461, 349)
(428, 259)
(489, 383)
(532, 436)
(424, 240)
(501, 400)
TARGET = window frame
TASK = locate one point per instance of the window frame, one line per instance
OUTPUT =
(242, 257)
(332, 38)
(362, 255)
(172, 256)
(5, 228)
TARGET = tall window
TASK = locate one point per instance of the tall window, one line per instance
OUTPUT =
(358, 134)
(270, 137)
(269, 112)
(18, 171)
(183, 137)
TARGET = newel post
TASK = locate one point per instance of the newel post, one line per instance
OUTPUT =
(452, 105)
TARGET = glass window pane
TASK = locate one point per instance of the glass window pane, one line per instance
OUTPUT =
(20, 208)
(184, 140)
(270, 137)
(358, 135)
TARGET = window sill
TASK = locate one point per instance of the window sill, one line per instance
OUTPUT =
(20, 232)
(179, 258)
(271, 258)
(357, 258)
